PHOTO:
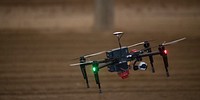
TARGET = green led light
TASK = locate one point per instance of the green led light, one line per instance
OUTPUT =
(94, 69)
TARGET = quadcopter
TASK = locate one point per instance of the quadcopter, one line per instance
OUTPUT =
(121, 60)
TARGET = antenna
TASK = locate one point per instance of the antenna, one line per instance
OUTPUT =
(119, 35)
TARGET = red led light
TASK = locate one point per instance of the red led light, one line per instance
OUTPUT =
(124, 75)
(165, 51)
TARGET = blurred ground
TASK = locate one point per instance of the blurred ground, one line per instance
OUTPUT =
(35, 64)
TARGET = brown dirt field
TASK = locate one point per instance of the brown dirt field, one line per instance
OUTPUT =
(34, 65)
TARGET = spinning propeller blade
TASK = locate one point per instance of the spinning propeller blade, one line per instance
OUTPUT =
(140, 43)
(94, 54)
(98, 53)
(172, 42)
(137, 44)
(84, 63)
(164, 44)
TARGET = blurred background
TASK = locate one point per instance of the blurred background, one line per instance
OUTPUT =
(39, 39)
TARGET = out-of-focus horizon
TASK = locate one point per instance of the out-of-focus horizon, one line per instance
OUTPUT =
(139, 16)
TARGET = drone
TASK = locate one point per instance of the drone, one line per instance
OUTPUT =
(121, 60)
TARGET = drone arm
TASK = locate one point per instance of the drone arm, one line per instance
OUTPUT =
(96, 65)
(104, 65)
(147, 46)
(95, 68)
(161, 52)
(151, 62)
(165, 59)
(149, 54)
(83, 70)
(96, 75)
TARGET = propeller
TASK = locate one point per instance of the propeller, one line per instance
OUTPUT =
(137, 44)
(94, 54)
(164, 44)
(140, 43)
(91, 62)
(172, 42)
(101, 52)
(84, 63)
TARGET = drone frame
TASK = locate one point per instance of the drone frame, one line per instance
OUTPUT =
(137, 56)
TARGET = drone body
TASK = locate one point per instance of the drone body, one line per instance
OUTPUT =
(120, 53)
(119, 59)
